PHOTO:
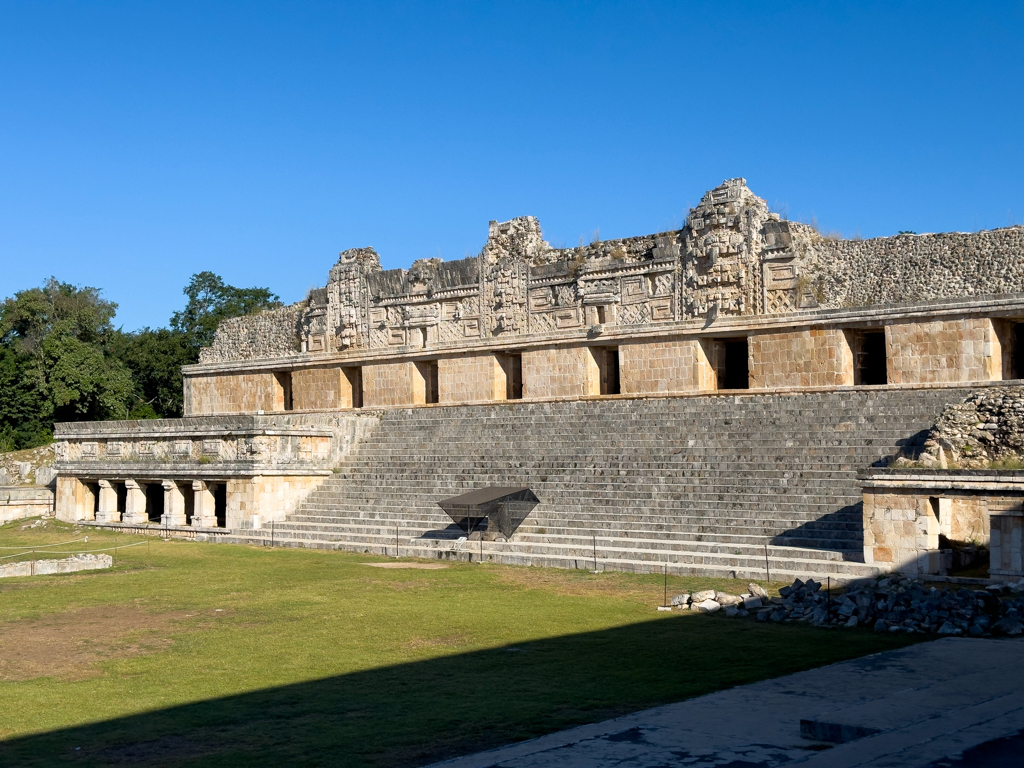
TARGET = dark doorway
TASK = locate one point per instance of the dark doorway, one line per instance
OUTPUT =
(284, 380)
(190, 502)
(869, 353)
(733, 374)
(514, 376)
(609, 364)
(220, 504)
(154, 502)
(428, 370)
(122, 498)
(355, 380)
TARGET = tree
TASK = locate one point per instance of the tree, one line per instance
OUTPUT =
(210, 300)
(57, 362)
(155, 357)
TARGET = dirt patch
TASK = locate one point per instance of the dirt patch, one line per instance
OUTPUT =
(420, 566)
(69, 645)
(445, 641)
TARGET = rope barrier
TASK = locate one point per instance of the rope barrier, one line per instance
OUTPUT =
(58, 544)
(30, 550)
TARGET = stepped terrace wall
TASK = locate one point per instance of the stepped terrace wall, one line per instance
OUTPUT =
(212, 472)
(701, 483)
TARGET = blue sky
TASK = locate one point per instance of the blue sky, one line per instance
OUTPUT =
(141, 142)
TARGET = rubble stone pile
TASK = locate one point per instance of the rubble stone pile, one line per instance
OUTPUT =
(890, 604)
(987, 426)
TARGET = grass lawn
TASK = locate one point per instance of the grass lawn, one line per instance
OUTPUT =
(217, 655)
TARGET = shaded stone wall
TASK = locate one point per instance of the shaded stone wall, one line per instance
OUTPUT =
(812, 357)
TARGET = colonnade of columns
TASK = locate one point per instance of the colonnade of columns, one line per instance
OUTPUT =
(179, 498)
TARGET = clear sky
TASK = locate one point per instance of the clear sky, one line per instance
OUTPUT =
(141, 142)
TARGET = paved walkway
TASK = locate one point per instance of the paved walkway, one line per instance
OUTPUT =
(921, 706)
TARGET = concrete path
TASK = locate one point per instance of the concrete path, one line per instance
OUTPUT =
(920, 706)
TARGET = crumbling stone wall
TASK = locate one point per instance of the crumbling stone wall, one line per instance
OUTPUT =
(271, 333)
(986, 426)
(909, 268)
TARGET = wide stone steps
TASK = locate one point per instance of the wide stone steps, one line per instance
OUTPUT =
(635, 560)
(360, 532)
(700, 483)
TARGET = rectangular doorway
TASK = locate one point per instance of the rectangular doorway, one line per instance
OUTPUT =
(731, 363)
(354, 376)
(609, 363)
(870, 365)
(283, 395)
(513, 365)
(428, 370)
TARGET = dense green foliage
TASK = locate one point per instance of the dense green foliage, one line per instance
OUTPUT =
(198, 654)
(62, 359)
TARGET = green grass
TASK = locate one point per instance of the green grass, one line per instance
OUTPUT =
(314, 658)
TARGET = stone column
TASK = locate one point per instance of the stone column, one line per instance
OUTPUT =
(174, 504)
(203, 513)
(135, 504)
(108, 504)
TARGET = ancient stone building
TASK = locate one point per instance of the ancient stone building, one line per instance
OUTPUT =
(695, 395)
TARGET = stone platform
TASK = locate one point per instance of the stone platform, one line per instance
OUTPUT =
(920, 707)
(702, 484)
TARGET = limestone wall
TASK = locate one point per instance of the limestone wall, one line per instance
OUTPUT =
(17, 502)
(86, 562)
(909, 268)
(965, 349)
(272, 333)
(471, 378)
(233, 393)
(386, 384)
(321, 388)
(809, 357)
(560, 372)
(679, 365)
(269, 497)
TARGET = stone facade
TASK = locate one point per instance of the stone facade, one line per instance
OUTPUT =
(944, 351)
(737, 299)
(666, 366)
(472, 378)
(234, 393)
(810, 357)
(907, 510)
(948, 306)
(560, 372)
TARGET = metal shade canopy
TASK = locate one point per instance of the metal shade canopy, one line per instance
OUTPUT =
(505, 509)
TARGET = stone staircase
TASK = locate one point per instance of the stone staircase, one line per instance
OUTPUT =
(719, 485)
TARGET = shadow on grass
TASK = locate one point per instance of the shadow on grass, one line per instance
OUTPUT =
(417, 713)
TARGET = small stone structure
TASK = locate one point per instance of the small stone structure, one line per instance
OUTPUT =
(71, 564)
(18, 501)
(738, 307)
